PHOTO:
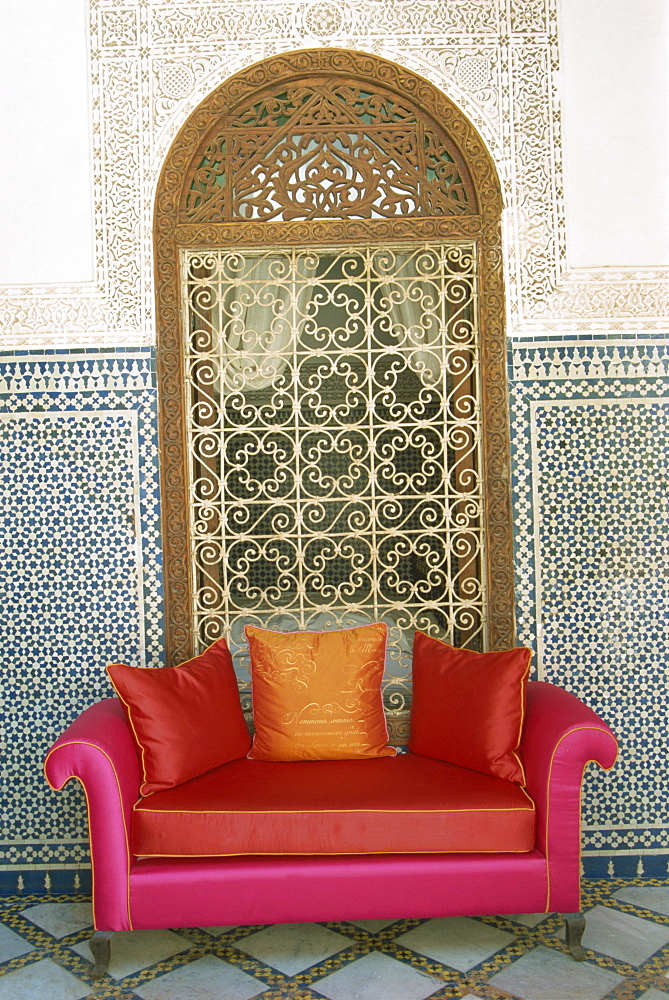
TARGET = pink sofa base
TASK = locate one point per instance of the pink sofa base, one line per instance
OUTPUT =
(286, 889)
(561, 736)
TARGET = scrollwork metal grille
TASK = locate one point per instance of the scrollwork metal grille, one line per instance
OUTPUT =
(333, 432)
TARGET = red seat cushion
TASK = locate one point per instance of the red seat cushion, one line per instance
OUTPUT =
(398, 805)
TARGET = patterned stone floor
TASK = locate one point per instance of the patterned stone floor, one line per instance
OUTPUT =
(44, 955)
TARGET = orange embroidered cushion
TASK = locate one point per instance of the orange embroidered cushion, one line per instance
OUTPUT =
(468, 707)
(317, 695)
(186, 720)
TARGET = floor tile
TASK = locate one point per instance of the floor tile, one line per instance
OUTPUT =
(291, 948)
(135, 950)
(12, 945)
(649, 897)
(207, 978)
(217, 931)
(527, 919)
(42, 981)
(61, 919)
(373, 926)
(459, 942)
(622, 936)
(654, 995)
(377, 976)
(544, 974)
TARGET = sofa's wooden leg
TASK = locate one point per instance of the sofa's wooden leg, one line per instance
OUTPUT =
(574, 927)
(100, 945)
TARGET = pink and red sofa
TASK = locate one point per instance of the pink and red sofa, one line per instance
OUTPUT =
(439, 840)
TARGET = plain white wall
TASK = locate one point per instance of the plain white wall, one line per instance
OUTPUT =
(615, 81)
(46, 220)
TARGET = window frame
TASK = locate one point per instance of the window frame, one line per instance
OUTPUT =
(173, 232)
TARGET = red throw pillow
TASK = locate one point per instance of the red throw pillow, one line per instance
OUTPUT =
(186, 720)
(468, 708)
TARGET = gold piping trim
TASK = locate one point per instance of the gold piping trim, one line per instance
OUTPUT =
(312, 854)
(528, 796)
(523, 701)
(196, 657)
(139, 743)
(591, 760)
(312, 812)
(88, 811)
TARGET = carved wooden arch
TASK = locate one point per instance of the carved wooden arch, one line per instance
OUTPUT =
(176, 226)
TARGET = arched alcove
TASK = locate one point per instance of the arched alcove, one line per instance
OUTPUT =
(330, 308)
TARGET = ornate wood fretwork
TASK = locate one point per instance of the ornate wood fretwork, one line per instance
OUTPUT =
(327, 148)
(240, 175)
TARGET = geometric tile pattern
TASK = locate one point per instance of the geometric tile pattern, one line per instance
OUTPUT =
(590, 447)
(625, 359)
(484, 958)
(79, 568)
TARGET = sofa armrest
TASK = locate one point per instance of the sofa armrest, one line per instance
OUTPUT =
(561, 736)
(98, 750)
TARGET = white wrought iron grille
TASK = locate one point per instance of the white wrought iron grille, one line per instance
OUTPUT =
(333, 435)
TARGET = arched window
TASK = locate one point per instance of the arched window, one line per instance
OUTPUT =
(334, 440)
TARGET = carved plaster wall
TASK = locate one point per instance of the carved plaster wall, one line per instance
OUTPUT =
(152, 63)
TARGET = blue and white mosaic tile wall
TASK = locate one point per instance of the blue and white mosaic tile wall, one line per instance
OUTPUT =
(81, 571)
(590, 432)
